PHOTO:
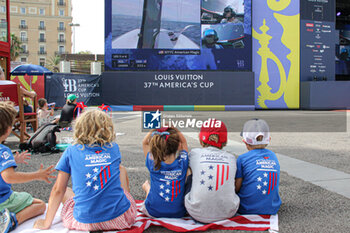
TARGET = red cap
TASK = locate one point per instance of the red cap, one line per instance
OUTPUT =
(213, 126)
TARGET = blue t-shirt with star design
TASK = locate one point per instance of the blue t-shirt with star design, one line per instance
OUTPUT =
(96, 183)
(6, 161)
(260, 171)
(166, 196)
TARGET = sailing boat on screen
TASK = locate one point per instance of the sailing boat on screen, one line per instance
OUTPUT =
(151, 35)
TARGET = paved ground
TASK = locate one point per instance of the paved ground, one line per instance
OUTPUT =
(306, 207)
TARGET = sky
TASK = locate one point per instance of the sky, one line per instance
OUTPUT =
(90, 35)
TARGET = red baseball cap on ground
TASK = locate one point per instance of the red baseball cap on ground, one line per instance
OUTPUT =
(210, 127)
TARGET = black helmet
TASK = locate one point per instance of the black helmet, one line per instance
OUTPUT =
(229, 9)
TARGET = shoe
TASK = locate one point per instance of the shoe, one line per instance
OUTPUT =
(5, 221)
(14, 222)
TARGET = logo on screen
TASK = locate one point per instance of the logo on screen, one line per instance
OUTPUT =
(152, 120)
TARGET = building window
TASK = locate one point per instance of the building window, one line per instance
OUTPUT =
(3, 9)
(61, 38)
(61, 12)
(61, 25)
(42, 49)
(23, 10)
(42, 61)
(23, 22)
(61, 49)
(42, 37)
(24, 47)
(42, 11)
(42, 25)
(24, 59)
(23, 37)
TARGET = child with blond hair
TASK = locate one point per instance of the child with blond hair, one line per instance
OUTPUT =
(100, 199)
(212, 194)
(258, 172)
(16, 207)
(166, 155)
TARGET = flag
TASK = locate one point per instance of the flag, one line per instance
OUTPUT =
(214, 176)
(169, 190)
(186, 224)
(267, 182)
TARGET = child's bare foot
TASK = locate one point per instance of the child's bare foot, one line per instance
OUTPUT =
(146, 187)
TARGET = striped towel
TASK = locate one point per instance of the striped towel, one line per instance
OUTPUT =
(186, 224)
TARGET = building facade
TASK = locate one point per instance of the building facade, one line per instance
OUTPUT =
(42, 27)
(4, 41)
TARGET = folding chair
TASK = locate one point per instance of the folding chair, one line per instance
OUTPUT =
(11, 91)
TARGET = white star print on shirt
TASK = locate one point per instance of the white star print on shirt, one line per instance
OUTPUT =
(95, 178)
(161, 194)
(88, 184)
(265, 174)
(167, 190)
(259, 178)
(161, 186)
(264, 192)
(95, 170)
(167, 199)
(168, 183)
(96, 187)
(88, 175)
(258, 187)
(265, 183)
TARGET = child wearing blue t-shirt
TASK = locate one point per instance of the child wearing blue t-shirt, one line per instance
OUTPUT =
(100, 199)
(165, 193)
(16, 207)
(258, 172)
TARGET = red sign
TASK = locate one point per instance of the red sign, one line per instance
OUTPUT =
(32, 83)
(8, 92)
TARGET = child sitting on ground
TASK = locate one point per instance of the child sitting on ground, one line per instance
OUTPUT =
(165, 193)
(100, 199)
(212, 194)
(44, 114)
(16, 207)
(258, 172)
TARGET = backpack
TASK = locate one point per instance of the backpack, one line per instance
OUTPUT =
(43, 140)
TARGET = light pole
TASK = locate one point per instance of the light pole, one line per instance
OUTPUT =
(73, 25)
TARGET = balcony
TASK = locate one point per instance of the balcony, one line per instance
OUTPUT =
(61, 3)
(22, 26)
(24, 52)
(42, 52)
(61, 40)
(42, 28)
(42, 40)
(58, 53)
(62, 29)
(24, 39)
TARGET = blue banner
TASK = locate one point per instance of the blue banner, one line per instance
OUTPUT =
(86, 87)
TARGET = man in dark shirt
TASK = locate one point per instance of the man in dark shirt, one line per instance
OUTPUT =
(68, 113)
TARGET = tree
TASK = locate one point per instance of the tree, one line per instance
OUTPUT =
(85, 52)
(53, 63)
(16, 48)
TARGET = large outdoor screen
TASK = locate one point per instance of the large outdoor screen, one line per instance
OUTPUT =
(178, 35)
